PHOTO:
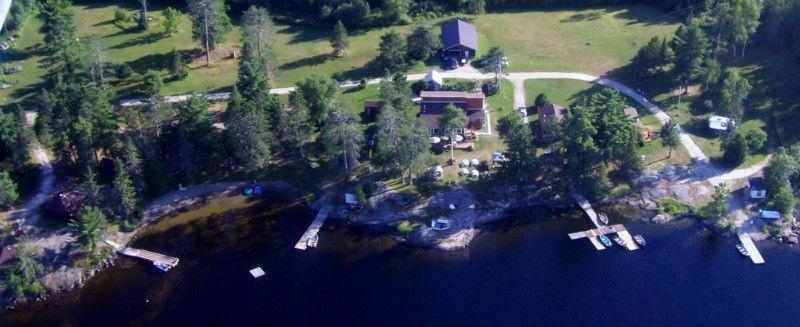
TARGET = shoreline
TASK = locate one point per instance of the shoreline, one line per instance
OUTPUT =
(62, 278)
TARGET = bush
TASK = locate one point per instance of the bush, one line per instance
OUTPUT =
(459, 85)
(735, 151)
(405, 227)
(124, 71)
(361, 196)
(120, 16)
(755, 140)
(672, 207)
(418, 86)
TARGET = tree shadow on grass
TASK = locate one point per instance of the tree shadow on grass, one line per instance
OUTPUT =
(308, 61)
(585, 16)
(144, 39)
(107, 22)
(302, 33)
(371, 69)
(159, 61)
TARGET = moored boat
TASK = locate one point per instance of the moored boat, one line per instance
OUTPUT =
(312, 242)
(162, 266)
(639, 239)
(619, 241)
(603, 218)
(605, 240)
(742, 250)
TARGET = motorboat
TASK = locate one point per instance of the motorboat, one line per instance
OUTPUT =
(620, 241)
(639, 239)
(603, 218)
(605, 240)
(742, 250)
(312, 242)
(162, 266)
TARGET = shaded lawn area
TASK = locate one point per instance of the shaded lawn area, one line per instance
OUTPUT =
(501, 103)
(590, 40)
(26, 52)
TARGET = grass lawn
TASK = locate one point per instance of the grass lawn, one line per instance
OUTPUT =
(560, 91)
(593, 41)
(538, 40)
(26, 53)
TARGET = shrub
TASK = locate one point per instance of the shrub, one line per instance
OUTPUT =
(755, 140)
(418, 86)
(672, 207)
(124, 71)
(735, 151)
(120, 15)
(405, 227)
(360, 195)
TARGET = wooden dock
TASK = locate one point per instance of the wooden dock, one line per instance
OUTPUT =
(314, 228)
(163, 262)
(587, 207)
(592, 235)
(752, 250)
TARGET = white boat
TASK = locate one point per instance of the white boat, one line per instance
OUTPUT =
(603, 218)
(619, 241)
(162, 266)
(742, 250)
(312, 242)
(639, 239)
(605, 240)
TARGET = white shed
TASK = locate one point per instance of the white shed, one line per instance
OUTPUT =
(434, 80)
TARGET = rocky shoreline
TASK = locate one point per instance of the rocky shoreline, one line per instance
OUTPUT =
(57, 246)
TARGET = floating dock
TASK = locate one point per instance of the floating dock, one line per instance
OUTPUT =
(592, 235)
(752, 250)
(314, 228)
(161, 261)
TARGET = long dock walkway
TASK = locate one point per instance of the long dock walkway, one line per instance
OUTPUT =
(163, 262)
(587, 207)
(751, 248)
(314, 228)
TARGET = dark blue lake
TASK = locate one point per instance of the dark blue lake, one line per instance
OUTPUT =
(521, 272)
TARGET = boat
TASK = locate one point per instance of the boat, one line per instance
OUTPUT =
(639, 239)
(162, 266)
(603, 218)
(312, 242)
(605, 240)
(619, 241)
(742, 250)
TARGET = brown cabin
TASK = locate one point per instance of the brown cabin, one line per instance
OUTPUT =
(432, 106)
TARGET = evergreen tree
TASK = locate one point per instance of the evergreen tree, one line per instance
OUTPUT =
(339, 39)
(582, 152)
(783, 201)
(257, 30)
(422, 43)
(735, 150)
(248, 133)
(691, 47)
(669, 136)
(293, 124)
(392, 52)
(342, 138)
(718, 207)
(133, 162)
(210, 23)
(648, 59)
(194, 137)
(780, 169)
(521, 150)
(125, 202)
(88, 228)
(91, 187)
(541, 100)
(178, 67)
(59, 38)
(712, 71)
(152, 84)
(171, 21)
(8, 191)
(474, 7)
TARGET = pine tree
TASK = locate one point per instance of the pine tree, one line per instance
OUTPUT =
(339, 39)
(342, 138)
(293, 124)
(422, 43)
(178, 67)
(8, 190)
(124, 192)
(257, 29)
(88, 228)
(691, 47)
(171, 21)
(669, 136)
(210, 23)
(91, 187)
(522, 164)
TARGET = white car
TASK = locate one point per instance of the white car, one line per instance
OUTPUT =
(523, 111)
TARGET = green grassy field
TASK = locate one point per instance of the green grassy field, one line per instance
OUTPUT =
(540, 40)
(560, 92)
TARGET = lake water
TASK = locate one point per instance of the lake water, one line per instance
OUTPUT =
(522, 272)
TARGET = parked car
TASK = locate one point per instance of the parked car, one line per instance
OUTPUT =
(450, 63)
(523, 111)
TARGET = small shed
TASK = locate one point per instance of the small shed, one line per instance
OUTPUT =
(720, 123)
(769, 214)
(756, 188)
(434, 81)
(440, 224)
(633, 114)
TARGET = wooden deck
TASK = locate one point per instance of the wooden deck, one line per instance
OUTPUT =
(751, 248)
(314, 228)
(592, 235)
(587, 207)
